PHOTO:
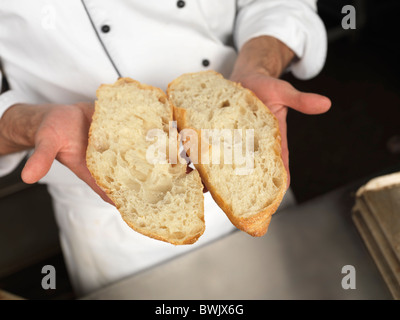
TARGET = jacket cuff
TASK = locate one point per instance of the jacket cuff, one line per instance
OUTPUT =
(11, 97)
(295, 23)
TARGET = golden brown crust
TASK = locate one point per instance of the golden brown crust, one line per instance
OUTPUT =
(257, 224)
(110, 194)
(141, 231)
(156, 237)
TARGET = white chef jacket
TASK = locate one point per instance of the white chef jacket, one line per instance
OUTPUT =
(61, 51)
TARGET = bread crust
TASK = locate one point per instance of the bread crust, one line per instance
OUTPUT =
(257, 224)
(100, 183)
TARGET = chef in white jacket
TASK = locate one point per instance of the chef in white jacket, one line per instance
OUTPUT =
(54, 55)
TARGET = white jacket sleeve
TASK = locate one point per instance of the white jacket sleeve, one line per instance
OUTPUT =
(9, 162)
(294, 22)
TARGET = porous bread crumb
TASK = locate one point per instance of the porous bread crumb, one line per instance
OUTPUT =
(205, 100)
(159, 200)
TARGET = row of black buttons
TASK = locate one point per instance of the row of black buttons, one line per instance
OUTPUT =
(106, 28)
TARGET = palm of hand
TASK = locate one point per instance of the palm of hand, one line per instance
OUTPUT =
(62, 135)
(278, 95)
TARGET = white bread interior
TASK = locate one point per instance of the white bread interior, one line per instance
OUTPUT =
(205, 100)
(159, 200)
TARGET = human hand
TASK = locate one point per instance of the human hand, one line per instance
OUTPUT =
(279, 95)
(56, 132)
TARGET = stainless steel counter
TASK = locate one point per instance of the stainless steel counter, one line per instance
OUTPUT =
(300, 257)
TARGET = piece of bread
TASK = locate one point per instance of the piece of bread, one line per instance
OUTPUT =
(159, 200)
(206, 100)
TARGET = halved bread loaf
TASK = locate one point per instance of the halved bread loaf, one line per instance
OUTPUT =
(248, 194)
(159, 200)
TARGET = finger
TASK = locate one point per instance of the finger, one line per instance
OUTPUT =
(308, 103)
(40, 161)
(312, 103)
(304, 102)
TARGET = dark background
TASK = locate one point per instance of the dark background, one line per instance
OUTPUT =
(358, 137)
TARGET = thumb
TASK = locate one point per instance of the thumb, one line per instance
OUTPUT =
(312, 103)
(304, 102)
(40, 161)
